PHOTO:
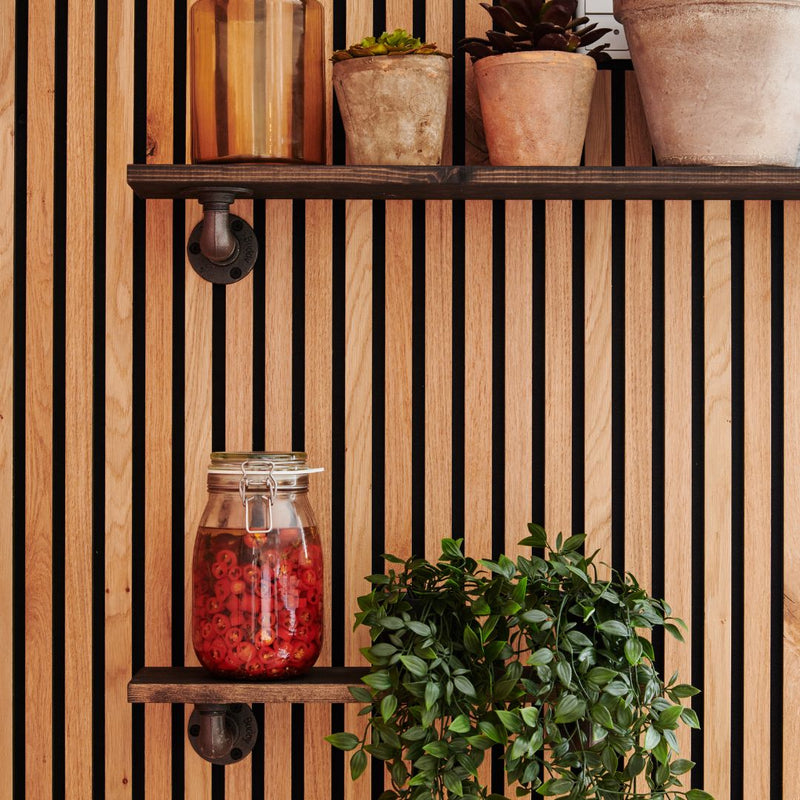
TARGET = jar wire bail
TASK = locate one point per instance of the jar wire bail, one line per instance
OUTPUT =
(257, 474)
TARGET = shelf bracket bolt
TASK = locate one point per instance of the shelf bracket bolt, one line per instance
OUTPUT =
(222, 733)
(223, 247)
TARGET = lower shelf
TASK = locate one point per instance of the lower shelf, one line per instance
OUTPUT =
(194, 685)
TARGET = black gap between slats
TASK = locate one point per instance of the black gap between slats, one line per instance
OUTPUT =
(776, 653)
(59, 394)
(378, 17)
(737, 497)
(698, 480)
(578, 364)
(20, 390)
(418, 16)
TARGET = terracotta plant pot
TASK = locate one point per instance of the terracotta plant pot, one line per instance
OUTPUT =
(535, 106)
(719, 79)
(393, 108)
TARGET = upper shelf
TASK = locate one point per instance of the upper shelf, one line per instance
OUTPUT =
(286, 181)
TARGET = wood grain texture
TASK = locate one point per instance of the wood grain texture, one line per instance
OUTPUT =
(39, 403)
(518, 325)
(717, 681)
(638, 351)
(79, 368)
(7, 582)
(476, 21)
(158, 393)
(791, 491)
(318, 379)
(597, 333)
(677, 436)
(439, 29)
(438, 374)
(757, 492)
(118, 402)
(558, 369)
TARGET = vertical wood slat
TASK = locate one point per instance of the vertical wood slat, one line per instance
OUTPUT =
(7, 579)
(278, 435)
(239, 437)
(39, 402)
(158, 393)
(638, 350)
(717, 680)
(78, 409)
(678, 436)
(757, 490)
(118, 404)
(558, 368)
(318, 380)
(597, 333)
(791, 491)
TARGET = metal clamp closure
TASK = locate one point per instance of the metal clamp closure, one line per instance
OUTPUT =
(258, 474)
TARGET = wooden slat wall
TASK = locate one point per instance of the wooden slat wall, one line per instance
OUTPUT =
(710, 291)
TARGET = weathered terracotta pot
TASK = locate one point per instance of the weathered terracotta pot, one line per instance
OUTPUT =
(720, 79)
(535, 106)
(393, 108)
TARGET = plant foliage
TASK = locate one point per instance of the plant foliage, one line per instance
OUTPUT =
(521, 25)
(396, 43)
(539, 657)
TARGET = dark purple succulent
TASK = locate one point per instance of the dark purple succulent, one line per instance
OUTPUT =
(521, 25)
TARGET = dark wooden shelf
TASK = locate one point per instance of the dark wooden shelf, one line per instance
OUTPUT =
(194, 685)
(285, 181)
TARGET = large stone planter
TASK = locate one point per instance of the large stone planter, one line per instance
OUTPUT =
(720, 79)
(535, 106)
(393, 108)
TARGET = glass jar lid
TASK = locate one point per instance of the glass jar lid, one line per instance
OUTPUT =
(279, 464)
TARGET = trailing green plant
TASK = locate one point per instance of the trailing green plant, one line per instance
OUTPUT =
(540, 657)
(521, 25)
(397, 43)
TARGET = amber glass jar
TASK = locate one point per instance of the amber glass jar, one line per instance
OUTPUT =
(257, 80)
(257, 569)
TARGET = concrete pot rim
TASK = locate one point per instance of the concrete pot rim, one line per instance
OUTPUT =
(626, 8)
(389, 62)
(580, 60)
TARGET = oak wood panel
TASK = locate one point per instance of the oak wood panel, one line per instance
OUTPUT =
(118, 403)
(318, 379)
(717, 681)
(757, 492)
(7, 76)
(476, 21)
(518, 323)
(439, 29)
(358, 441)
(791, 491)
(39, 403)
(677, 437)
(197, 447)
(193, 685)
(239, 437)
(597, 333)
(158, 394)
(438, 374)
(471, 182)
(638, 350)
(78, 408)
(558, 369)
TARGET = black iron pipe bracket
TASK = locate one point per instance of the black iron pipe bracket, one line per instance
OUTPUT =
(222, 733)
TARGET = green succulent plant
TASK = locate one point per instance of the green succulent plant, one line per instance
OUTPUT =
(521, 25)
(397, 43)
(539, 657)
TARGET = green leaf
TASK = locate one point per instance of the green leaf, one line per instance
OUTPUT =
(534, 616)
(537, 538)
(380, 680)
(388, 706)
(689, 716)
(674, 631)
(519, 747)
(414, 734)
(460, 724)
(698, 794)
(555, 786)
(451, 549)
(480, 742)
(378, 580)
(472, 641)
(392, 623)
(420, 628)
(383, 649)
(600, 676)
(453, 783)
(684, 690)
(610, 760)
(602, 716)
(511, 722)
(464, 685)
(661, 751)
(360, 693)
(681, 766)
(564, 672)
(415, 665)
(492, 731)
(432, 692)
(530, 715)
(343, 741)
(392, 559)
(573, 543)
(569, 708)
(613, 627)
(541, 657)
(669, 717)
(617, 689)
(633, 651)
(651, 738)
(358, 763)
(437, 749)
(480, 608)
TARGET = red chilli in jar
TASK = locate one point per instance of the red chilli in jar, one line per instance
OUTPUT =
(257, 569)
